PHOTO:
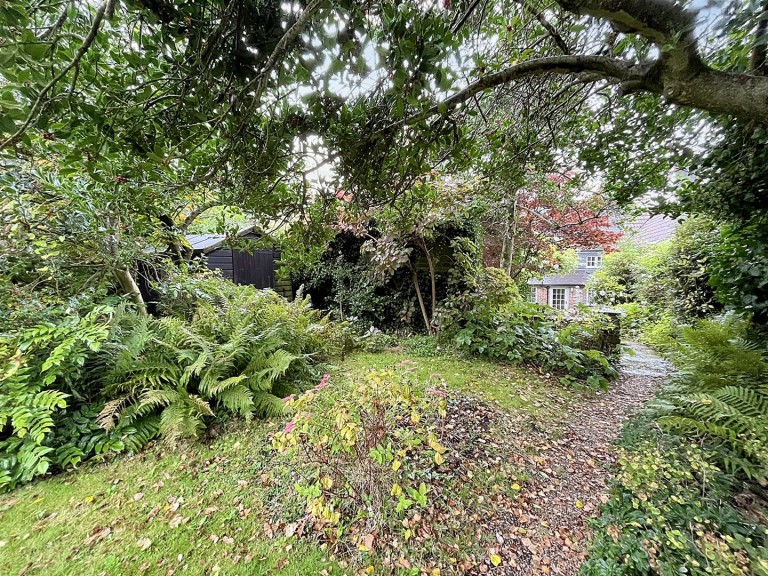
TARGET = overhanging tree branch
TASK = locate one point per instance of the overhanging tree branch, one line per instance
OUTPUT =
(104, 9)
(602, 66)
(679, 74)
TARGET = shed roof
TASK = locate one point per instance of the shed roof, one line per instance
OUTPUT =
(208, 242)
(578, 278)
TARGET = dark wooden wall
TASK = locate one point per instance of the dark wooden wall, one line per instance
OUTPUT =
(255, 268)
(221, 259)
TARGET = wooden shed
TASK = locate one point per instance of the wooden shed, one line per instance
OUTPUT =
(257, 268)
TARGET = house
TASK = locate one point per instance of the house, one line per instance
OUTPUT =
(568, 290)
(255, 267)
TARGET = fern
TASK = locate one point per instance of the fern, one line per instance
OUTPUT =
(235, 353)
(720, 393)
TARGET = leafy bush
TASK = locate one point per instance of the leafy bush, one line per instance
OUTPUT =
(42, 370)
(374, 340)
(364, 451)
(720, 393)
(522, 332)
(425, 346)
(238, 354)
(590, 330)
(661, 334)
(633, 319)
(111, 380)
(669, 509)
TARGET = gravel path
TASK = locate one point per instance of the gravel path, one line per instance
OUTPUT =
(545, 529)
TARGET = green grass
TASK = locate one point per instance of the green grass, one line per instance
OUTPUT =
(204, 507)
(50, 525)
(511, 387)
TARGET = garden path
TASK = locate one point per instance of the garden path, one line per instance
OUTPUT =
(545, 530)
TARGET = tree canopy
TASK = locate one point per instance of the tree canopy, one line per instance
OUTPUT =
(123, 122)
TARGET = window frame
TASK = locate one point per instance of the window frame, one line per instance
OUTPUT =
(564, 297)
(597, 260)
(532, 295)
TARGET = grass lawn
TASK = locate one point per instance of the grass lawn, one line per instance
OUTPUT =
(208, 508)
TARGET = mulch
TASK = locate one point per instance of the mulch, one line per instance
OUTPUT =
(566, 461)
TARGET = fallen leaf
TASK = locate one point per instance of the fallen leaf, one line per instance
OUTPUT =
(144, 543)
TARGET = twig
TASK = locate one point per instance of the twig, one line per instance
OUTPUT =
(106, 7)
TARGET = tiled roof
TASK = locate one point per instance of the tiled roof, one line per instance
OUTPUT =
(646, 229)
(578, 278)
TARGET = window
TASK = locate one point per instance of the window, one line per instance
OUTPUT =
(594, 261)
(558, 298)
(589, 296)
(532, 295)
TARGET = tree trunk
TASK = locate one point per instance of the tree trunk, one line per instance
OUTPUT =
(415, 278)
(130, 288)
(512, 236)
(503, 253)
(432, 279)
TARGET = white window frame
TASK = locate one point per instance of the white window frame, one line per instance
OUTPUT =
(564, 298)
(532, 296)
(589, 296)
(594, 261)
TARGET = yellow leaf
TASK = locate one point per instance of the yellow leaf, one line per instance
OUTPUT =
(495, 559)
(579, 504)
(396, 465)
(439, 459)
(435, 572)
(407, 534)
(516, 487)
(396, 490)
(89, 499)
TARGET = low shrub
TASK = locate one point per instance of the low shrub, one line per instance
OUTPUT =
(719, 393)
(112, 380)
(661, 334)
(240, 351)
(365, 451)
(373, 340)
(669, 510)
(426, 346)
(522, 332)
(42, 377)
(590, 330)
(634, 317)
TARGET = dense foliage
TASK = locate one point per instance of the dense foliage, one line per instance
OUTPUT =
(498, 324)
(364, 452)
(688, 492)
(113, 380)
(720, 394)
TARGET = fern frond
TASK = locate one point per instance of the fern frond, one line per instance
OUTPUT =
(268, 405)
(238, 400)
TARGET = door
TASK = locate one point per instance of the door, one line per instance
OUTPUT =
(255, 268)
(558, 298)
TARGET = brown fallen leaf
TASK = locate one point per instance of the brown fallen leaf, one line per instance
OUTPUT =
(144, 543)
(96, 536)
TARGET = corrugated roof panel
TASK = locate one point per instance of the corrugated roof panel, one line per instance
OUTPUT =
(205, 241)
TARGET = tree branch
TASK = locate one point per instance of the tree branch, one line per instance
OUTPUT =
(603, 66)
(554, 34)
(105, 8)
